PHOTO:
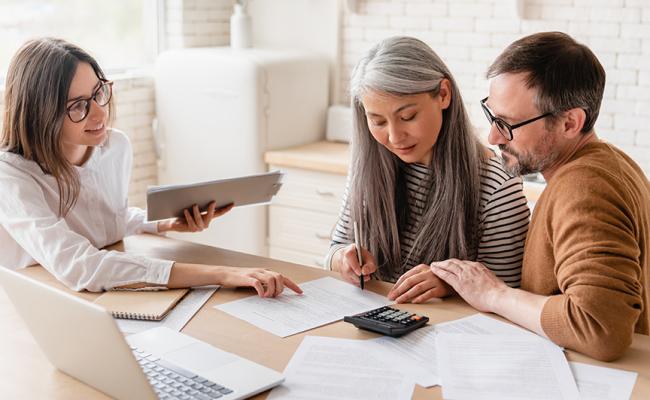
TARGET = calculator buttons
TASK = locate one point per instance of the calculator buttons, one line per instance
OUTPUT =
(387, 320)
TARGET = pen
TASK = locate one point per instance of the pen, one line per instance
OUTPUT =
(357, 244)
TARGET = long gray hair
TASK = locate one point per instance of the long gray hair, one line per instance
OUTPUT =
(378, 194)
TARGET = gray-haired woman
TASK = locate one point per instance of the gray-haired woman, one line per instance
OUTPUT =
(421, 187)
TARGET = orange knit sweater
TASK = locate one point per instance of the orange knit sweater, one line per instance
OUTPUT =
(587, 248)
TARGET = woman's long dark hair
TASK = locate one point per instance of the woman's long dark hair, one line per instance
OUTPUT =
(36, 94)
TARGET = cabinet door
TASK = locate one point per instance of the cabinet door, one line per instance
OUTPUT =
(311, 190)
(298, 257)
(301, 230)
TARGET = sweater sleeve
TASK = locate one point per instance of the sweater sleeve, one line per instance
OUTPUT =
(597, 265)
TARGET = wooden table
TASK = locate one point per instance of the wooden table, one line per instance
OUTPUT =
(25, 373)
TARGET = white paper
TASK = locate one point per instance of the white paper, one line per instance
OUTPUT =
(342, 369)
(324, 300)
(415, 353)
(176, 318)
(481, 324)
(473, 366)
(600, 383)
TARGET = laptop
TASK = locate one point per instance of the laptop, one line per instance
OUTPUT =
(82, 340)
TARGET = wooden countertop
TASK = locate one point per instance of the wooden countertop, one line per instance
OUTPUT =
(324, 156)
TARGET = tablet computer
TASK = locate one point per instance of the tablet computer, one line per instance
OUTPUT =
(169, 201)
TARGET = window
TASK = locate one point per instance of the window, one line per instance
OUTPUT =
(120, 34)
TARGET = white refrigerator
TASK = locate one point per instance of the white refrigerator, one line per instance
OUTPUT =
(219, 109)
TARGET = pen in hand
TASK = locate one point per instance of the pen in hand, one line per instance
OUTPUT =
(357, 245)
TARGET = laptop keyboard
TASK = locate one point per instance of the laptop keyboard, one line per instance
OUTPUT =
(170, 381)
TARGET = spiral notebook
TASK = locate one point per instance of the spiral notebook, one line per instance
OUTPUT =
(141, 305)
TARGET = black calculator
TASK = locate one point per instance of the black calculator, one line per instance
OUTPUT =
(388, 320)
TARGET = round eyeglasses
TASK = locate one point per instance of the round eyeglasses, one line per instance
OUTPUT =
(504, 128)
(78, 111)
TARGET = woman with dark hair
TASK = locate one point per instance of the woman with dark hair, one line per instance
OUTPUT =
(422, 188)
(64, 175)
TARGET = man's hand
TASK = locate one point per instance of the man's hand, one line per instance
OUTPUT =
(476, 284)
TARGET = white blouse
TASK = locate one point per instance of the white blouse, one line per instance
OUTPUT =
(31, 232)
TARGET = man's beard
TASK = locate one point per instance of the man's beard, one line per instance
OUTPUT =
(537, 160)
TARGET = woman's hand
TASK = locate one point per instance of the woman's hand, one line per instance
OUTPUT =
(194, 220)
(348, 264)
(418, 285)
(267, 283)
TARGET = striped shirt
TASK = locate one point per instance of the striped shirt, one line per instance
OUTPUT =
(503, 221)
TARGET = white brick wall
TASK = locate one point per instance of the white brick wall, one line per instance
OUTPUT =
(469, 34)
(197, 23)
(134, 105)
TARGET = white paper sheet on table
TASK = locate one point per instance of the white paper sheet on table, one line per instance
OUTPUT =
(481, 324)
(324, 300)
(473, 366)
(415, 353)
(600, 383)
(177, 317)
(330, 368)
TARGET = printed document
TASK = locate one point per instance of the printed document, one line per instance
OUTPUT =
(416, 352)
(600, 383)
(473, 366)
(324, 300)
(481, 324)
(329, 368)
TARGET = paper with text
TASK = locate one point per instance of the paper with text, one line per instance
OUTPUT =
(473, 366)
(416, 352)
(600, 383)
(324, 300)
(329, 368)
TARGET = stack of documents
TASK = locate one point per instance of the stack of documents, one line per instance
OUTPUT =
(503, 367)
(476, 357)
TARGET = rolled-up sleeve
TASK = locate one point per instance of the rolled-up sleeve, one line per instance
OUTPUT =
(136, 222)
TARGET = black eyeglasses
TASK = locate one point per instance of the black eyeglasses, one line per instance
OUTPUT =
(78, 111)
(503, 127)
